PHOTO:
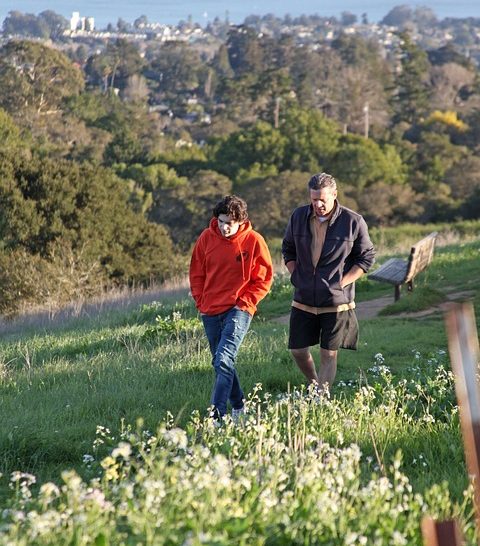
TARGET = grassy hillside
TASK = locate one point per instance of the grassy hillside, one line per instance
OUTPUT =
(390, 430)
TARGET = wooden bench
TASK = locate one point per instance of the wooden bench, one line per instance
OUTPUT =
(397, 271)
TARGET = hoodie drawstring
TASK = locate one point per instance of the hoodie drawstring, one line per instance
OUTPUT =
(241, 258)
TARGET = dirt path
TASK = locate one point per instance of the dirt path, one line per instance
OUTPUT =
(371, 309)
(365, 309)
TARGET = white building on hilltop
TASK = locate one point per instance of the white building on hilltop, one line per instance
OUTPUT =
(89, 23)
(75, 20)
(81, 23)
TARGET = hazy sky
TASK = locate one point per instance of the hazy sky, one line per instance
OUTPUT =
(171, 11)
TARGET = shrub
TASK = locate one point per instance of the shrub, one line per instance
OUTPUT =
(28, 280)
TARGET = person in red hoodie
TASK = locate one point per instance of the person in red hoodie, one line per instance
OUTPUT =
(230, 272)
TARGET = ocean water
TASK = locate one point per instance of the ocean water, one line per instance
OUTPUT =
(201, 11)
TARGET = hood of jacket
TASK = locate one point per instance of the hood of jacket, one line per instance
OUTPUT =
(229, 271)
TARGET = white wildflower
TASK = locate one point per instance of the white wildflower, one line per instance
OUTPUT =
(123, 450)
(49, 490)
(176, 437)
(23, 478)
(398, 538)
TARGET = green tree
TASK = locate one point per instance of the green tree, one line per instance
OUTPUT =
(18, 23)
(260, 143)
(410, 100)
(44, 203)
(244, 50)
(463, 177)
(29, 280)
(272, 93)
(361, 162)
(425, 17)
(173, 68)
(55, 23)
(347, 18)
(357, 79)
(311, 139)
(186, 207)
(449, 53)
(124, 147)
(236, 94)
(134, 133)
(435, 155)
(144, 180)
(113, 67)
(271, 200)
(10, 135)
(152, 177)
(47, 24)
(356, 50)
(311, 73)
(471, 206)
(398, 16)
(390, 204)
(221, 63)
(472, 138)
(36, 79)
(141, 21)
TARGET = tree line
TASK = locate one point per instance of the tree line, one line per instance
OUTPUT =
(112, 157)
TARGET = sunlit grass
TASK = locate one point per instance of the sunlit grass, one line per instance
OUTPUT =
(299, 468)
(391, 423)
(422, 298)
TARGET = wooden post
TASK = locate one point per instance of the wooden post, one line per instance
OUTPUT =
(441, 533)
(463, 348)
(398, 289)
(464, 353)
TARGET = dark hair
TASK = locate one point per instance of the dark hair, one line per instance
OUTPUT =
(233, 206)
(322, 180)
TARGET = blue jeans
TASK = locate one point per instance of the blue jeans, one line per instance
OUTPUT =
(225, 333)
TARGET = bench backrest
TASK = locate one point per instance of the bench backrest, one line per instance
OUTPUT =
(420, 256)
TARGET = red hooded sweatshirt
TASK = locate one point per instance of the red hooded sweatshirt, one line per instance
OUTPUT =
(229, 271)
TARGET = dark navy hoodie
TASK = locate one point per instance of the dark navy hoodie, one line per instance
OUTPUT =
(347, 243)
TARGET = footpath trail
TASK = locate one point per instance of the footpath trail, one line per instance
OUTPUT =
(371, 308)
(365, 309)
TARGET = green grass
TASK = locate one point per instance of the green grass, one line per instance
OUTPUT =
(424, 297)
(57, 387)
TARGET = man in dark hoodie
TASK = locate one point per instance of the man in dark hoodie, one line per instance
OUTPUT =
(326, 248)
(230, 272)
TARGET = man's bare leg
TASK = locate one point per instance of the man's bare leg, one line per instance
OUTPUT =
(305, 362)
(328, 368)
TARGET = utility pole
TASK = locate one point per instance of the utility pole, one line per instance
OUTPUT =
(276, 113)
(366, 119)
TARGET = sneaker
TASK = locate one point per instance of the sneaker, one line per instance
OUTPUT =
(238, 415)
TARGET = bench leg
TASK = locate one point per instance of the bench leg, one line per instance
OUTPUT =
(397, 292)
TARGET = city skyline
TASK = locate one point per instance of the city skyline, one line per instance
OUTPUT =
(170, 12)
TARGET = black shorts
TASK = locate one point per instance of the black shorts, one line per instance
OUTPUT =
(332, 331)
